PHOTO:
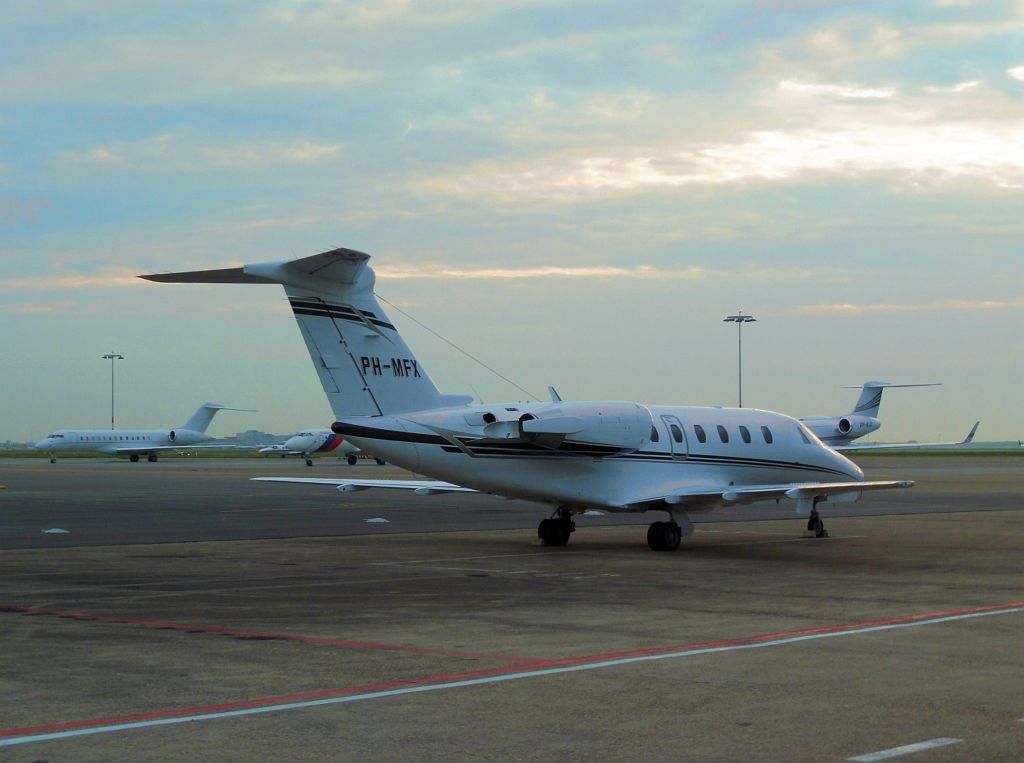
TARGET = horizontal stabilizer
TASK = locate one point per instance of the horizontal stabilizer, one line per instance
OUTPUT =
(341, 266)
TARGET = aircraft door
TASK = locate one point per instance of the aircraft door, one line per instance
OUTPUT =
(676, 437)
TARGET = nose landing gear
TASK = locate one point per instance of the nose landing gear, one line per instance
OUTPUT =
(815, 525)
(555, 530)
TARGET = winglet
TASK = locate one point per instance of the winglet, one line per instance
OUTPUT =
(555, 397)
(970, 435)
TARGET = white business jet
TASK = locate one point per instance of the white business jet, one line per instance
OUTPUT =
(135, 442)
(310, 441)
(617, 456)
(839, 432)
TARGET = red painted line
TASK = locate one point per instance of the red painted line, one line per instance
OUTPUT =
(496, 671)
(262, 701)
(238, 633)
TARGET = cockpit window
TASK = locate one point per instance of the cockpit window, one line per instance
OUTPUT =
(808, 436)
(654, 434)
(814, 437)
(55, 436)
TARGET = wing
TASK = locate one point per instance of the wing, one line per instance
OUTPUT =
(141, 451)
(802, 492)
(909, 445)
(419, 487)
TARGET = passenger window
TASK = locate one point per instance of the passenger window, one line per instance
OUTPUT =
(722, 434)
(677, 433)
(654, 433)
(745, 434)
(767, 434)
(699, 431)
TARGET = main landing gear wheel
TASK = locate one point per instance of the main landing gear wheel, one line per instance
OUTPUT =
(134, 458)
(380, 461)
(309, 462)
(664, 536)
(151, 458)
(351, 459)
(555, 531)
(816, 526)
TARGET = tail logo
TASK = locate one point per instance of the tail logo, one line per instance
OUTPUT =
(405, 367)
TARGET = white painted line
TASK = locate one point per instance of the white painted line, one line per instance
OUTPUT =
(501, 678)
(906, 749)
(461, 558)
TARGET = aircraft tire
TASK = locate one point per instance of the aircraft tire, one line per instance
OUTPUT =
(53, 460)
(309, 462)
(380, 461)
(671, 535)
(351, 459)
(134, 458)
(654, 536)
(555, 532)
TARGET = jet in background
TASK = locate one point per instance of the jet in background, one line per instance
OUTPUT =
(136, 442)
(620, 456)
(839, 432)
(310, 441)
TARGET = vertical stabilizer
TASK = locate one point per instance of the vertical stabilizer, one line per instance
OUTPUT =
(201, 419)
(364, 365)
(871, 396)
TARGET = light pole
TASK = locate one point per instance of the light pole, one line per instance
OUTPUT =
(739, 319)
(112, 356)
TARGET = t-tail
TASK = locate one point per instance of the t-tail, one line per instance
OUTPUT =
(364, 365)
(200, 420)
(871, 396)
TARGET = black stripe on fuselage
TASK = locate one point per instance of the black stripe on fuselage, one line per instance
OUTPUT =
(319, 304)
(341, 317)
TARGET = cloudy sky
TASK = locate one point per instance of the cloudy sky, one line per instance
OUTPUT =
(574, 192)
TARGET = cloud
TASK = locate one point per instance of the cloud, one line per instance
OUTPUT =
(185, 151)
(31, 309)
(405, 272)
(808, 132)
(15, 211)
(840, 91)
(747, 271)
(958, 305)
(1017, 72)
(113, 278)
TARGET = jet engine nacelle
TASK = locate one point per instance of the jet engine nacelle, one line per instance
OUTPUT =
(623, 426)
(847, 425)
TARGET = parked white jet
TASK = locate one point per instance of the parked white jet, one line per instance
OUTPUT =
(310, 441)
(611, 455)
(839, 432)
(135, 442)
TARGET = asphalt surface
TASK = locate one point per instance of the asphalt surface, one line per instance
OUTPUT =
(188, 614)
(109, 501)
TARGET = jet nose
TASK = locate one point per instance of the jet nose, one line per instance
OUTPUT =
(41, 445)
(852, 468)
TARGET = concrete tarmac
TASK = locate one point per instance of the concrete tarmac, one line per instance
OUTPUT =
(289, 628)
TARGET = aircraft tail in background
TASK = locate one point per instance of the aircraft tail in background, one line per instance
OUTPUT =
(871, 396)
